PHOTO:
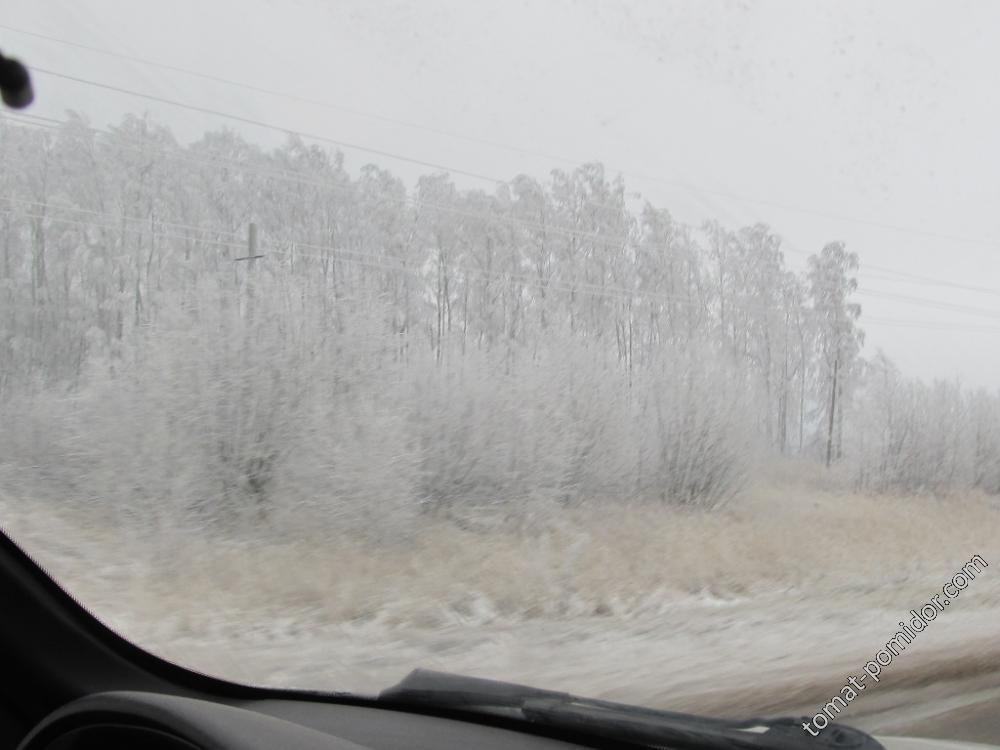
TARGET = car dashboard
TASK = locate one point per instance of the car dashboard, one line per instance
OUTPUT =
(130, 719)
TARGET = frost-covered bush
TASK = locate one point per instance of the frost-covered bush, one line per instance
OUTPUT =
(909, 436)
(693, 430)
(225, 420)
(568, 428)
(494, 429)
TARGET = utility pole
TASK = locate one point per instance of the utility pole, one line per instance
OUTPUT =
(251, 256)
(252, 243)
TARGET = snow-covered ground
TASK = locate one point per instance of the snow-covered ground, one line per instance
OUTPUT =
(782, 653)
(788, 650)
(785, 642)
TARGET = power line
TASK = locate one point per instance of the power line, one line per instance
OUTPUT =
(55, 124)
(378, 261)
(588, 236)
(507, 147)
(610, 241)
(928, 325)
(119, 228)
(698, 192)
(622, 291)
(118, 217)
(926, 280)
(615, 242)
(385, 262)
(582, 288)
(295, 97)
(641, 295)
(935, 304)
(271, 126)
(529, 280)
(617, 293)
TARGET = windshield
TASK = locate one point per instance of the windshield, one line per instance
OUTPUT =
(645, 351)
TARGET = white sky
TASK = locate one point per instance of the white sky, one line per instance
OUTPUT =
(823, 119)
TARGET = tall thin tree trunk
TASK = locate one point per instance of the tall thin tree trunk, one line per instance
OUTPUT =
(833, 409)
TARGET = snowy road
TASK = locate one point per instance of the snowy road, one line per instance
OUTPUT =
(965, 710)
(779, 653)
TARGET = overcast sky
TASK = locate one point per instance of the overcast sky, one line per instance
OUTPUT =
(875, 123)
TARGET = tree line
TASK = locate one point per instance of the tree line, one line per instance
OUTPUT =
(435, 345)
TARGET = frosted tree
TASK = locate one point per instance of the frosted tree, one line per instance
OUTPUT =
(831, 283)
(535, 340)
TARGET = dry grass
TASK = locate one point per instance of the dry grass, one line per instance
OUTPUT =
(593, 561)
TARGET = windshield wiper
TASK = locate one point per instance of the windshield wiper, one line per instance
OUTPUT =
(618, 722)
